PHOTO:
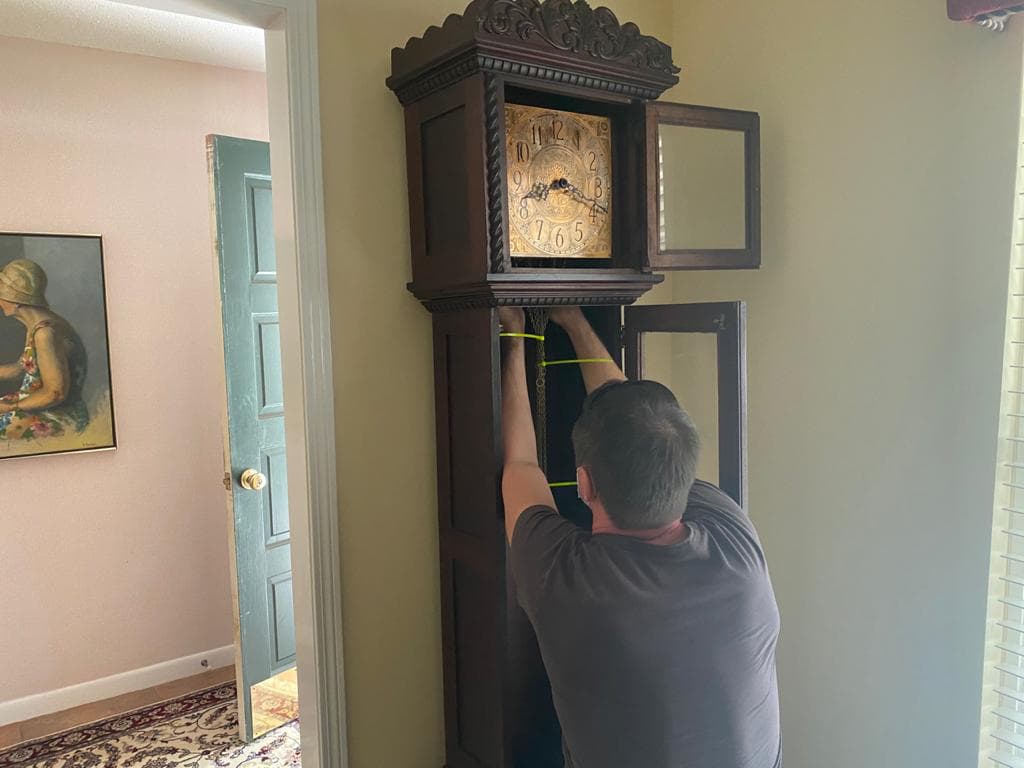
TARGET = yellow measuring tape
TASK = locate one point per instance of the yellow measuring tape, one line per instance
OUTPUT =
(522, 336)
(547, 363)
(562, 485)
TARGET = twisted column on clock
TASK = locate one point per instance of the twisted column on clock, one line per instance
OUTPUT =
(494, 130)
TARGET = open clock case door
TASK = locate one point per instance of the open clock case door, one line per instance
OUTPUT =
(703, 187)
(699, 352)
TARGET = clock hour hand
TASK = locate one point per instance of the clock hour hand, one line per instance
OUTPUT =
(539, 191)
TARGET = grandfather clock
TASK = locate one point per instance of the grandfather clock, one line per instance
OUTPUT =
(541, 172)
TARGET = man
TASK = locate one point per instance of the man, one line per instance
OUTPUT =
(657, 627)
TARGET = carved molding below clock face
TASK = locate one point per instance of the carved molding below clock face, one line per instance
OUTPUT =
(527, 290)
(559, 183)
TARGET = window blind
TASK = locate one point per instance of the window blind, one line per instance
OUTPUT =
(1002, 717)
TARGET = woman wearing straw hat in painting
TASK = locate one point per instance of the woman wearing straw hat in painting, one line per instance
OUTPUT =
(46, 397)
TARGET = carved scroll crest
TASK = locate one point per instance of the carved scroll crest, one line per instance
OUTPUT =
(574, 26)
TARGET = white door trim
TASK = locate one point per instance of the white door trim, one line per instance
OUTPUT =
(304, 310)
(304, 307)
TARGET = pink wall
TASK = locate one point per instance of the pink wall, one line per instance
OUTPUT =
(114, 561)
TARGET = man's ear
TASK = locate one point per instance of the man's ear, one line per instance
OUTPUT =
(584, 485)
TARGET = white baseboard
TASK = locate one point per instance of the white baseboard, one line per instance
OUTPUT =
(16, 710)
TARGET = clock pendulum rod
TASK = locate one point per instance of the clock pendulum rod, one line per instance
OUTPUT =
(539, 321)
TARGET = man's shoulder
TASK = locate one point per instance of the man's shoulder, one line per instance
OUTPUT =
(540, 521)
(707, 494)
(541, 544)
(710, 501)
(722, 520)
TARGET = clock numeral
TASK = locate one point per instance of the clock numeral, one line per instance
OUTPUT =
(576, 140)
(593, 160)
(593, 214)
(517, 179)
(537, 137)
(559, 238)
(556, 130)
(523, 152)
(540, 229)
(578, 230)
(598, 189)
(524, 211)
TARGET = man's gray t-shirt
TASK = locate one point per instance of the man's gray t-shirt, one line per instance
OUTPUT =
(659, 656)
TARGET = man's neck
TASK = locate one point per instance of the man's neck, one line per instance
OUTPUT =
(672, 533)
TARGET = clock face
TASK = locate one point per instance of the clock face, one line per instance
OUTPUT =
(559, 183)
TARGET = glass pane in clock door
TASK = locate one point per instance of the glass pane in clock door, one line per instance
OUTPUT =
(702, 200)
(687, 363)
(697, 351)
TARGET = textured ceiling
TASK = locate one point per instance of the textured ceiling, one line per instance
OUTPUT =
(116, 26)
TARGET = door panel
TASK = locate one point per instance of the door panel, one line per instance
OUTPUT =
(252, 363)
(267, 347)
(281, 617)
(699, 352)
(276, 524)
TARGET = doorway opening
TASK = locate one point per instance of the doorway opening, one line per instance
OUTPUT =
(289, 30)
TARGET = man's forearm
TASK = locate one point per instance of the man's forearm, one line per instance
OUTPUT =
(588, 346)
(520, 440)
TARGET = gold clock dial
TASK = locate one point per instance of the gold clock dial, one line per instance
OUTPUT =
(559, 183)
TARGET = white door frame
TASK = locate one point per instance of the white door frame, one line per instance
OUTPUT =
(303, 304)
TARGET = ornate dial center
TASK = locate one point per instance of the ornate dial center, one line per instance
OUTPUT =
(553, 167)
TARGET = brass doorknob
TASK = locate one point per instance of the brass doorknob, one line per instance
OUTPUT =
(252, 480)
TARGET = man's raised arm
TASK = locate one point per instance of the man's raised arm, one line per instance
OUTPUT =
(588, 346)
(523, 484)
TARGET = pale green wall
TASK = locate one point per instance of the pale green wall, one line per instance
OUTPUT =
(874, 344)
(875, 336)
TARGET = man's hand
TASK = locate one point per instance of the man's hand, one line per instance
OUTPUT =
(512, 319)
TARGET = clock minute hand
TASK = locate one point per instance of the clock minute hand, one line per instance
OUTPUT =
(540, 190)
(577, 194)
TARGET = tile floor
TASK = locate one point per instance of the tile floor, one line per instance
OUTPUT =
(275, 702)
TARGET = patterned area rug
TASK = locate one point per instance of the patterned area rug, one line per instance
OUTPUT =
(195, 731)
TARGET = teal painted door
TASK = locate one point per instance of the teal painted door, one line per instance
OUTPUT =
(252, 364)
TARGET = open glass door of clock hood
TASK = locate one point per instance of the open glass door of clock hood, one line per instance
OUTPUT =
(703, 191)
(699, 352)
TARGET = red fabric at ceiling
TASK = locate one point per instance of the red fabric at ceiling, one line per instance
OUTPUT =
(965, 10)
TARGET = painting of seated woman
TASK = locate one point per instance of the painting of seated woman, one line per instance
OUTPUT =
(55, 390)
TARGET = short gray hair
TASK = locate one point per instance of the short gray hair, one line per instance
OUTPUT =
(641, 449)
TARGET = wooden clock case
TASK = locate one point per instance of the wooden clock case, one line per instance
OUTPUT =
(453, 82)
